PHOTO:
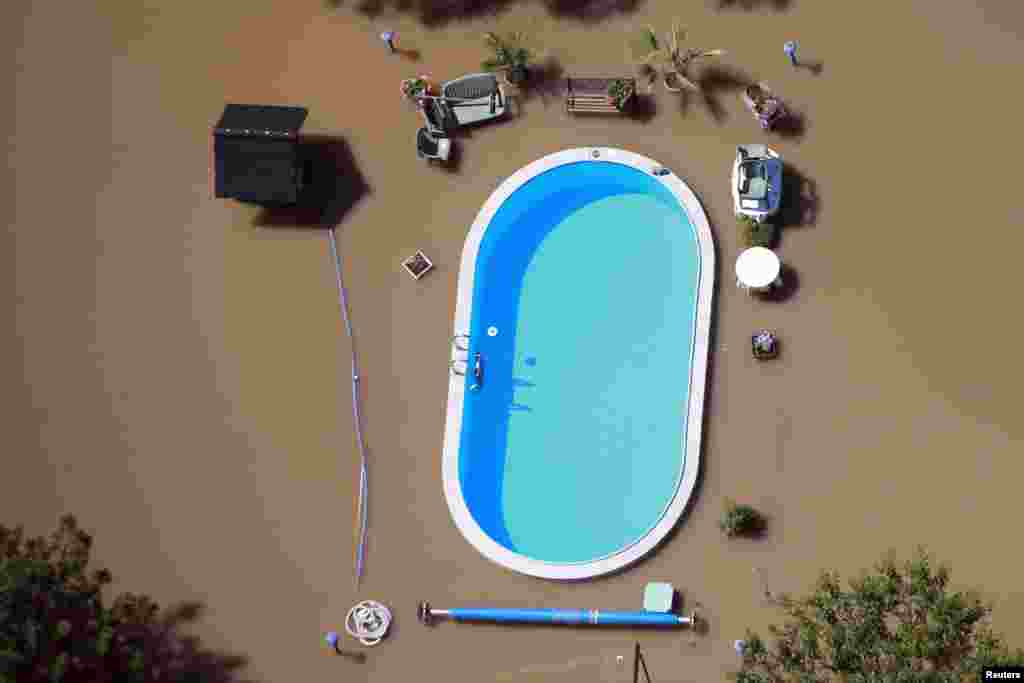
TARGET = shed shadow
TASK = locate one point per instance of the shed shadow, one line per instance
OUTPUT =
(335, 186)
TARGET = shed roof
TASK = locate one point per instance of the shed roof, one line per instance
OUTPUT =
(260, 119)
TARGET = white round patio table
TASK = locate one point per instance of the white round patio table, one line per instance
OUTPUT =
(757, 268)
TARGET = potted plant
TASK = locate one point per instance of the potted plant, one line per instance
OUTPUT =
(414, 87)
(764, 345)
(620, 92)
(741, 520)
(510, 56)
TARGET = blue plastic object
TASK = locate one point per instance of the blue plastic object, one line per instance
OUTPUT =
(332, 638)
(591, 617)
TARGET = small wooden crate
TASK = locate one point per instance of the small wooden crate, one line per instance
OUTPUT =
(417, 265)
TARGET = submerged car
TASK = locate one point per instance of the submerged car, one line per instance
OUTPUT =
(756, 182)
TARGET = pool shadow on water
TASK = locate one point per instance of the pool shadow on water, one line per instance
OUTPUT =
(520, 383)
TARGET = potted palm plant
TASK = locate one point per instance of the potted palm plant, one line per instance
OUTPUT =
(668, 60)
(621, 92)
(510, 56)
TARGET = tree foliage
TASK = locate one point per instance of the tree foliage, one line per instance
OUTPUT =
(900, 623)
(668, 60)
(55, 625)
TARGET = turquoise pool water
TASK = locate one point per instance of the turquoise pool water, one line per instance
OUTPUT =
(575, 444)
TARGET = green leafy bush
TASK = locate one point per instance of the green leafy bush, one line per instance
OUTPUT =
(754, 234)
(897, 623)
(411, 87)
(741, 520)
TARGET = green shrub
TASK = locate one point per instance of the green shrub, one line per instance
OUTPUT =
(741, 520)
(620, 91)
(754, 234)
(411, 87)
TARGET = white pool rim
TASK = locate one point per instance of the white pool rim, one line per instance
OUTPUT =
(626, 556)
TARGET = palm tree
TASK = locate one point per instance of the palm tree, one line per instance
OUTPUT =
(669, 60)
(510, 55)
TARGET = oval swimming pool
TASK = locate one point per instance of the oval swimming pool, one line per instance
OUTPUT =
(585, 292)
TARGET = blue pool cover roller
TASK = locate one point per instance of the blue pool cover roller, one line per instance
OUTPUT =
(565, 617)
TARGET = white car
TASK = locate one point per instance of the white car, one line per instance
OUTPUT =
(756, 182)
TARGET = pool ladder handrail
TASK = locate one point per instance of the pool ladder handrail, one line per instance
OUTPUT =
(460, 355)
(460, 345)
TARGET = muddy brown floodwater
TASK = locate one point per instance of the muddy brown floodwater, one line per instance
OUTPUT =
(177, 376)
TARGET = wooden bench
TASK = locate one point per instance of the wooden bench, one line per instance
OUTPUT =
(590, 96)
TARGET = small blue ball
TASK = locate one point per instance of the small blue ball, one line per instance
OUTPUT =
(331, 638)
